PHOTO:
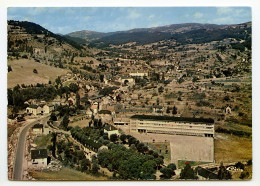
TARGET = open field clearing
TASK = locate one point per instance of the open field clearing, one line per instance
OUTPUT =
(80, 123)
(232, 148)
(65, 174)
(22, 72)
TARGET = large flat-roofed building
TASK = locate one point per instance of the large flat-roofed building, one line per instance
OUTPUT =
(191, 139)
(172, 125)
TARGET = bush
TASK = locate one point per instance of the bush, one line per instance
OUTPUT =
(35, 71)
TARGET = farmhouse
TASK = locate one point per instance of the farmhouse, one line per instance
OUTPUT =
(47, 109)
(39, 157)
(37, 128)
(34, 109)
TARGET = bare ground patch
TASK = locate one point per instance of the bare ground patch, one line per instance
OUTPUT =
(232, 148)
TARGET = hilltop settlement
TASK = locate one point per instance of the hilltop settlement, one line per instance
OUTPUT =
(166, 103)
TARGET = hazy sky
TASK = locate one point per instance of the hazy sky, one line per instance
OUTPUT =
(108, 19)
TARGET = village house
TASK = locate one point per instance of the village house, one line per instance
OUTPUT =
(127, 79)
(34, 109)
(37, 129)
(94, 107)
(47, 109)
(158, 109)
(105, 116)
(39, 157)
(109, 129)
(89, 113)
(139, 74)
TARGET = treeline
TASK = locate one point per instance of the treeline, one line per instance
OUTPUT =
(205, 36)
(83, 137)
(128, 164)
(233, 132)
(20, 94)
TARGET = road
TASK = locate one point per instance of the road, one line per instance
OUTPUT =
(19, 156)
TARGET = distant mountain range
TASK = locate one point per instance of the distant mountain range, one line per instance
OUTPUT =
(182, 33)
(186, 33)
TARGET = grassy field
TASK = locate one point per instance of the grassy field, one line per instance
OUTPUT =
(43, 141)
(22, 72)
(81, 123)
(65, 174)
(161, 148)
(181, 163)
(232, 148)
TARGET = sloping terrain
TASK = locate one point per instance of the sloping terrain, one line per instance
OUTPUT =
(22, 73)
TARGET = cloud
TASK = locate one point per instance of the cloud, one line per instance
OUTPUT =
(224, 10)
(133, 14)
(151, 16)
(86, 18)
(38, 10)
(198, 15)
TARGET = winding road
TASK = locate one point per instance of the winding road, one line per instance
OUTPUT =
(19, 156)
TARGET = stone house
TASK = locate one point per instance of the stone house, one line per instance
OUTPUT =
(39, 157)
(37, 128)
(34, 109)
(47, 109)
(111, 130)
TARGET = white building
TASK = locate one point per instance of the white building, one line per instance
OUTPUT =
(172, 125)
(39, 157)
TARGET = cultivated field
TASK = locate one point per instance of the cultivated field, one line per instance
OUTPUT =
(22, 72)
(65, 174)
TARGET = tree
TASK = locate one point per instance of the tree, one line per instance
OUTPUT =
(95, 166)
(174, 110)
(35, 71)
(123, 138)
(54, 139)
(172, 166)
(101, 77)
(160, 89)
(84, 164)
(9, 68)
(224, 174)
(113, 138)
(131, 141)
(53, 117)
(140, 147)
(240, 165)
(188, 173)
(65, 122)
(77, 101)
(167, 173)
(168, 110)
(73, 87)
(58, 80)
(159, 162)
(195, 79)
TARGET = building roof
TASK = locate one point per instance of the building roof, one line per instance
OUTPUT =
(33, 106)
(170, 118)
(104, 112)
(37, 126)
(39, 154)
(158, 106)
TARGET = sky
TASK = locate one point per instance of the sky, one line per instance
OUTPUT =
(65, 20)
